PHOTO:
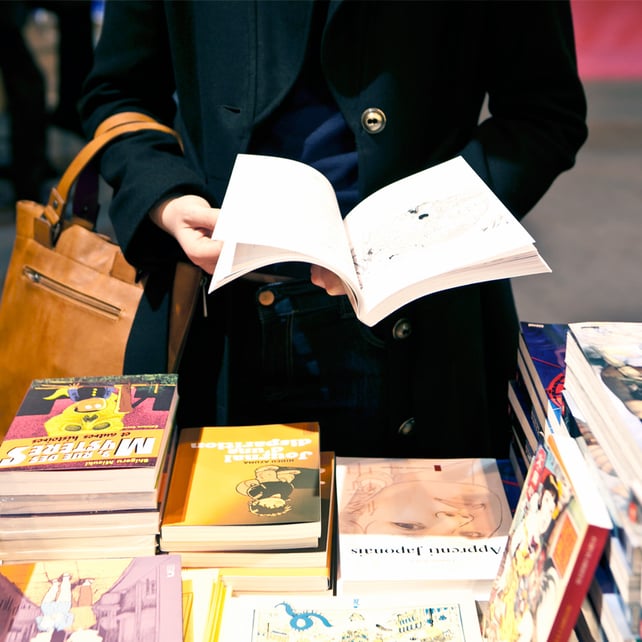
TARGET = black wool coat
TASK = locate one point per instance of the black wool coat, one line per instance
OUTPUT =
(493, 81)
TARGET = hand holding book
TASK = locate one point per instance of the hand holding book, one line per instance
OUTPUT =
(437, 229)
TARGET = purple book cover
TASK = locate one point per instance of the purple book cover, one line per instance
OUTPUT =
(128, 599)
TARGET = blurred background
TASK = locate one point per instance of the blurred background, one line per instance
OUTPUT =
(588, 226)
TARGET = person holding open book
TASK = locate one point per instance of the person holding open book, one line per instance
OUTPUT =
(366, 92)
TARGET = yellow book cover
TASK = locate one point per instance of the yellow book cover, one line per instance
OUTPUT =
(203, 592)
(320, 556)
(256, 485)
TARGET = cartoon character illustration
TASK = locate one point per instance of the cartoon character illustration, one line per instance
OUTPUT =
(530, 578)
(270, 490)
(95, 409)
(66, 608)
(55, 606)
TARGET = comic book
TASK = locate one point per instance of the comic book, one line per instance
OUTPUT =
(244, 488)
(82, 436)
(94, 600)
(556, 539)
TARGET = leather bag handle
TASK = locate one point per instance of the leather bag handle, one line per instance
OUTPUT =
(110, 129)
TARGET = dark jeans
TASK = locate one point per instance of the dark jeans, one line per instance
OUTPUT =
(293, 353)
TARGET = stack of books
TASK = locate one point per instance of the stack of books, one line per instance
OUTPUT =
(257, 502)
(535, 395)
(560, 383)
(603, 411)
(84, 468)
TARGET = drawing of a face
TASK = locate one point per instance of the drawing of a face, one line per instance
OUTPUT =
(431, 508)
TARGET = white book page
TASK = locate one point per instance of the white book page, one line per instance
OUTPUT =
(428, 224)
(277, 210)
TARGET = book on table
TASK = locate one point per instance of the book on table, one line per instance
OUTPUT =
(317, 557)
(437, 229)
(302, 570)
(419, 524)
(75, 440)
(70, 548)
(604, 378)
(203, 593)
(402, 617)
(134, 599)
(244, 488)
(621, 503)
(556, 539)
(543, 348)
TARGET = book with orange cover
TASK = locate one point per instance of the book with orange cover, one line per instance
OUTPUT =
(281, 559)
(244, 488)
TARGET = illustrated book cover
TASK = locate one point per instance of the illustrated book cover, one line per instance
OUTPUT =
(134, 599)
(604, 377)
(411, 524)
(391, 618)
(440, 228)
(556, 539)
(543, 346)
(318, 558)
(100, 435)
(243, 488)
(621, 503)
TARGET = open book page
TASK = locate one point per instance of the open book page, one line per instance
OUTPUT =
(443, 223)
(278, 210)
(437, 229)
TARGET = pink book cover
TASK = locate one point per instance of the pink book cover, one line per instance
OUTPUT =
(135, 599)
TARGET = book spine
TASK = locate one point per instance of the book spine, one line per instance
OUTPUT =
(582, 575)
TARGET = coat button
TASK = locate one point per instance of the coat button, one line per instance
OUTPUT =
(402, 329)
(266, 298)
(373, 120)
(407, 427)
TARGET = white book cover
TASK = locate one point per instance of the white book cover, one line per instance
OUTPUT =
(420, 523)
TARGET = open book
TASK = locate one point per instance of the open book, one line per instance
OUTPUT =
(438, 229)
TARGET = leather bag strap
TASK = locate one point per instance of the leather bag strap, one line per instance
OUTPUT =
(110, 129)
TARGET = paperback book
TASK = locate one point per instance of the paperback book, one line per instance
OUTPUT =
(543, 346)
(556, 539)
(316, 560)
(440, 228)
(604, 377)
(398, 618)
(108, 546)
(96, 435)
(418, 524)
(203, 592)
(244, 488)
(138, 600)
